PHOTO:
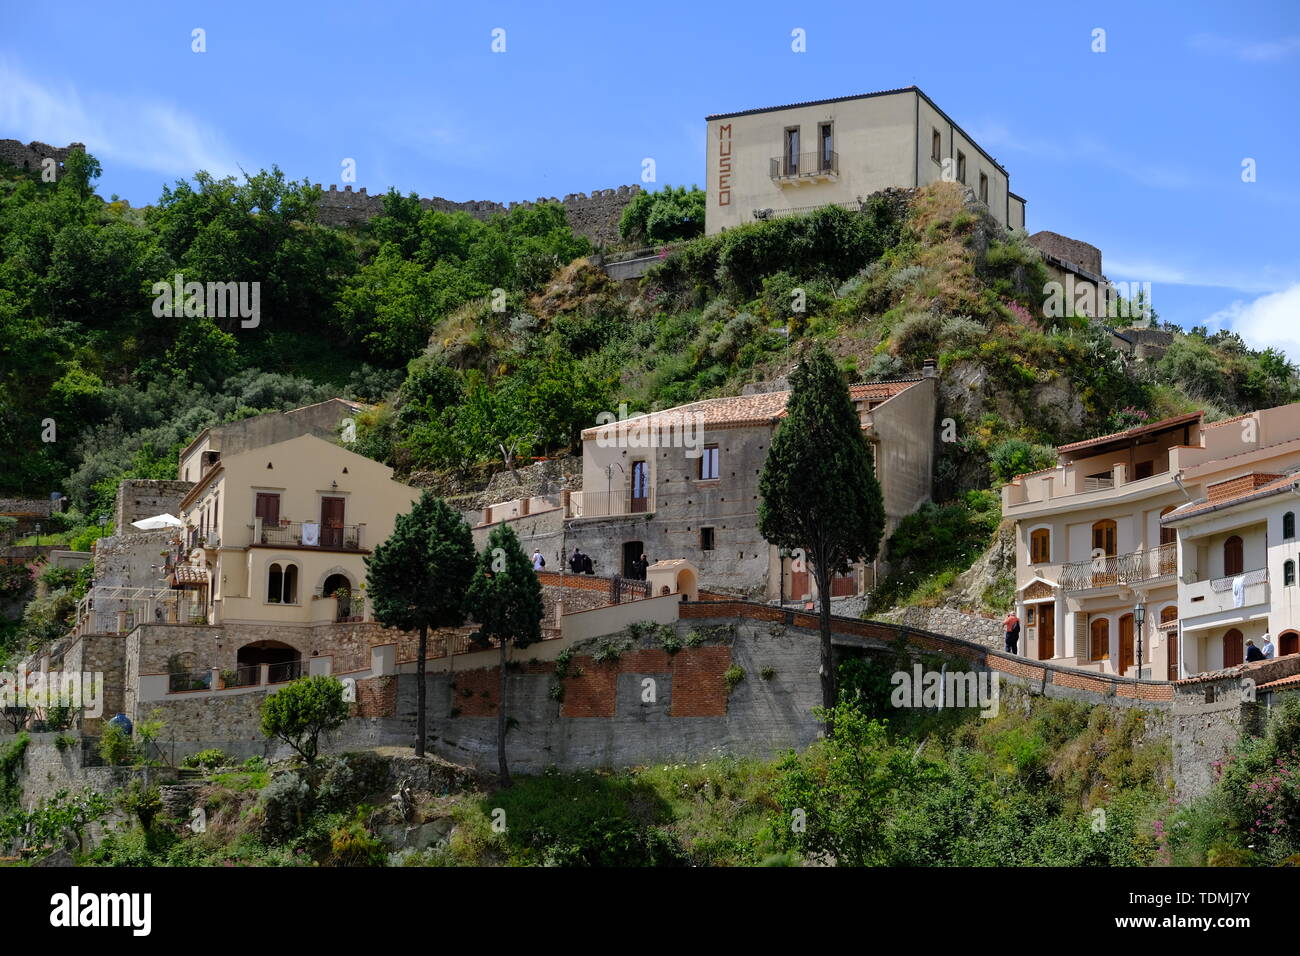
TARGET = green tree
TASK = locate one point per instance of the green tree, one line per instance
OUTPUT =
(304, 710)
(505, 599)
(418, 580)
(819, 492)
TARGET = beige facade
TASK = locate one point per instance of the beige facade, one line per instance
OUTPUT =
(840, 151)
(1097, 540)
(271, 533)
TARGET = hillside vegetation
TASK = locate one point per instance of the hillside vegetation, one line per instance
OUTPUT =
(472, 337)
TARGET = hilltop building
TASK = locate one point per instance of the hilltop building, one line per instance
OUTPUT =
(780, 159)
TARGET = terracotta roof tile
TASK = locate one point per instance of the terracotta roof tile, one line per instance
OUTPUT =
(1248, 493)
(757, 409)
(1132, 432)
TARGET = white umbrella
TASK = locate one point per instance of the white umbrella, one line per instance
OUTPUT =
(156, 522)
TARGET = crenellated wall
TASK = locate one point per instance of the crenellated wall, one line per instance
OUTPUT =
(595, 216)
(31, 155)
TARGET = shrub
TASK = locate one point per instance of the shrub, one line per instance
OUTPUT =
(284, 804)
(1017, 457)
(207, 760)
(302, 711)
(353, 845)
(116, 747)
(733, 676)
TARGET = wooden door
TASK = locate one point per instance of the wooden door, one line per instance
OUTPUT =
(331, 522)
(1046, 614)
(799, 585)
(640, 487)
(1233, 560)
(1234, 652)
(1172, 642)
(1125, 643)
(1288, 643)
(1100, 640)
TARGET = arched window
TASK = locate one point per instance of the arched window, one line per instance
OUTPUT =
(1040, 546)
(282, 583)
(1288, 525)
(1288, 643)
(1233, 649)
(1232, 556)
(1100, 643)
(1288, 573)
(1169, 614)
(1105, 538)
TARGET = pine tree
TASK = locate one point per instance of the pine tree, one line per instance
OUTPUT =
(819, 491)
(419, 578)
(505, 598)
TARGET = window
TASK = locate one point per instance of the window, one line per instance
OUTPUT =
(1232, 556)
(1143, 469)
(1288, 525)
(828, 146)
(1167, 534)
(792, 151)
(984, 189)
(1288, 573)
(936, 146)
(706, 539)
(282, 584)
(709, 463)
(1104, 538)
(268, 508)
(1040, 546)
(961, 167)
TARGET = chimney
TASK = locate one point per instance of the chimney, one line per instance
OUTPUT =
(929, 369)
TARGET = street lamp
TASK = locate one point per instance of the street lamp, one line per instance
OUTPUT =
(783, 554)
(38, 534)
(1139, 618)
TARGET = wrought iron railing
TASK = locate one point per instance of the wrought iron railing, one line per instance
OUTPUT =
(313, 534)
(284, 672)
(601, 504)
(1120, 569)
(805, 164)
(1256, 576)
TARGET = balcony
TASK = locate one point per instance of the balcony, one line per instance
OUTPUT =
(1121, 569)
(609, 504)
(309, 534)
(1216, 596)
(805, 168)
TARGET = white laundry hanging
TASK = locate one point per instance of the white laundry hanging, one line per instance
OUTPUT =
(310, 533)
(1239, 591)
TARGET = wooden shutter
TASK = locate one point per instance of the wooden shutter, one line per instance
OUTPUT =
(1082, 636)
(268, 508)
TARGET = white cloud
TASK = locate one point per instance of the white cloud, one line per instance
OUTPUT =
(1255, 281)
(1271, 320)
(144, 134)
(1251, 51)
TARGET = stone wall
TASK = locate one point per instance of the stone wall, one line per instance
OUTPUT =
(139, 498)
(947, 620)
(595, 216)
(1071, 250)
(31, 155)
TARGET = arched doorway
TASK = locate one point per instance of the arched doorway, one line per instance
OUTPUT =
(1233, 560)
(1288, 642)
(1233, 649)
(339, 586)
(284, 662)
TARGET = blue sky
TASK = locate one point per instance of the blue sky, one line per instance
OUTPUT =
(1137, 150)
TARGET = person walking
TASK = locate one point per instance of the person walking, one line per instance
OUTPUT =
(1011, 627)
(539, 562)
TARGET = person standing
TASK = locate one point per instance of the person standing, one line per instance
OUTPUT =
(1253, 653)
(1011, 628)
(539, 562)
(1269, 650)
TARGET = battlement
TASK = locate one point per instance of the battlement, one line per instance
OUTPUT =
(32, 155)
(595, 216)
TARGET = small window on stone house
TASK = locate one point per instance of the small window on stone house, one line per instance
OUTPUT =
(709, 463)
(706, 539)
(961, 167)
(984, 188)
(936, 146)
